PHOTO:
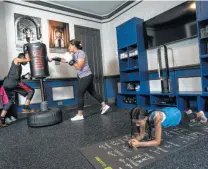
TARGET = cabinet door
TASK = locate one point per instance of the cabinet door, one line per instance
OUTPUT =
(202, 9)
(127, 34)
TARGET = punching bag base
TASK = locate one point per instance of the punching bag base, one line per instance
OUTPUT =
(46, 118)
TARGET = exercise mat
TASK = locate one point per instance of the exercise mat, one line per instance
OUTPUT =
(116, 154)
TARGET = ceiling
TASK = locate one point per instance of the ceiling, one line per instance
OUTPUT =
(100, 8)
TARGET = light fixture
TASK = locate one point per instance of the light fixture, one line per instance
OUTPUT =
(193, 5)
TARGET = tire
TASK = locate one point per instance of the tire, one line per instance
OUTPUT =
(46, 118)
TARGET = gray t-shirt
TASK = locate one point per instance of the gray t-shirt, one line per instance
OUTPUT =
(85, 71)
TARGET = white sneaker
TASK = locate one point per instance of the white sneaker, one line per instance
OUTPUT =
(105, 109)
(77, 117)
(13, 118)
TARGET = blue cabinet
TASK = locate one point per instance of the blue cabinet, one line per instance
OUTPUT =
(202, 10)
(132, 64)
(127, 33)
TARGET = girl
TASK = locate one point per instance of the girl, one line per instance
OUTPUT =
(5, 104)
(77, 57)
(166, 117)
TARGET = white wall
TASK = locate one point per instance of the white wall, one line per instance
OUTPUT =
(144, 10)
(3, 45)
(58, 71)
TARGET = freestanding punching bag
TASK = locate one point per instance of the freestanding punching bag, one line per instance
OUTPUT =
(39, 70)
(38, 56)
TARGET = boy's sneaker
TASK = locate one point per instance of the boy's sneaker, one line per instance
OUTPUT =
(77, 118)
(8, 120)
(105, 109)
(3, 124)
(13, 119)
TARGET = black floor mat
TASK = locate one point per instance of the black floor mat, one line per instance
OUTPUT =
(115, 153)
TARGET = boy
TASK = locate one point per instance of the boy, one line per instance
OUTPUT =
(12, 82)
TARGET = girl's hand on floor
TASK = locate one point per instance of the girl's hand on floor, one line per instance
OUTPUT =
(134, 143)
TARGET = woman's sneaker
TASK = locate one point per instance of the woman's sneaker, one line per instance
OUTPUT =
(13, 119)
(8, 120)
(105, 109)
(77, 118)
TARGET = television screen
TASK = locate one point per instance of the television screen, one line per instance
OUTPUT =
(175, 24)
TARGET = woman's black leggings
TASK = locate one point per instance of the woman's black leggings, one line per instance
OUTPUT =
(86, 84)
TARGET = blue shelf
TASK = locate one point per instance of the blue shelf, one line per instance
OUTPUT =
(191, 93)
(167, 105)
(129, 93)
(129, 69)
(204, 38)
(204, 56)
(128, 106)
(163, 94)
(204, 74)
(202, 19)
(205, 94)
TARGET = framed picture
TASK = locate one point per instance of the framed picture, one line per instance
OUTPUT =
(58, 36)
(26, 28)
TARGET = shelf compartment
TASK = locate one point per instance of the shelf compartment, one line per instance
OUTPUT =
(202, 103)
(123, 64)
(143, 100)
(121, 103)
(204, 66)
(205, 84)
(133, 51)
(159, 99)
(124, 89)
(203, 46)
(134, 76)
(133, 62)
(187, 102)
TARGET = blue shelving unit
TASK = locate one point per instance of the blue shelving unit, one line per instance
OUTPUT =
(135, 68)
(132, 62)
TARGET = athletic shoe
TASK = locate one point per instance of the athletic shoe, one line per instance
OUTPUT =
(13, 119)
(3, 124)
(77, 118)
(105, 109)
(8, 120)
(203, 117)
(28, 110)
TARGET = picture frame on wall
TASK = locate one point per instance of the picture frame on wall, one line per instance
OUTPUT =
(58, 36)
(29, 25)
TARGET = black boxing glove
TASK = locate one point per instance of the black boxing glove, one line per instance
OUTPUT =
(72, 62)
(57, 59)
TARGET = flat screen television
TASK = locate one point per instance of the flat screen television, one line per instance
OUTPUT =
(173, 25)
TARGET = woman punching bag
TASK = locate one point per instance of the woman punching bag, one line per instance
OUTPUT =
(38, 56)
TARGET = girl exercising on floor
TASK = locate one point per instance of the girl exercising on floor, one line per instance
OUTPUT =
(166, 117)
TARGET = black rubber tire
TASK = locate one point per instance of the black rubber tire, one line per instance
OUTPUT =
(46, 118)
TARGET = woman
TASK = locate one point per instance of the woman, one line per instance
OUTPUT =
(77, 57)
(166, 117)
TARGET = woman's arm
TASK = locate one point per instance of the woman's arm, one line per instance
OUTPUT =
(158, 134)
(79, 64)
(141, 134)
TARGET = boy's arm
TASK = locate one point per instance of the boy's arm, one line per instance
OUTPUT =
(21, 60)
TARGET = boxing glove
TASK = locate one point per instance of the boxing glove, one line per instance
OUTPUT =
(69, 58)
